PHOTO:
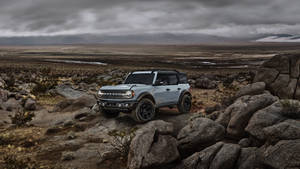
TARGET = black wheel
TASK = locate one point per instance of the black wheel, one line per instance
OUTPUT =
(144, 111)
(110, 113)
(185, 104)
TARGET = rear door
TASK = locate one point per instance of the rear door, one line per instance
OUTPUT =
(166, 92)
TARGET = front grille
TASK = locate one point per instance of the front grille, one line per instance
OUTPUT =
(113, 94)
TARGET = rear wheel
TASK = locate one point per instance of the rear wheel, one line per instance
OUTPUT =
(144, 111)
(110, 113)
(185, 104)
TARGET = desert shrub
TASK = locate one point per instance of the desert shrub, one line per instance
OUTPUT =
(12, 162)
(291, 108)
(43, 86)
(21, 117)
(121, 141)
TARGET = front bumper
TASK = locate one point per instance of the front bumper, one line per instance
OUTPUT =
(122, 106)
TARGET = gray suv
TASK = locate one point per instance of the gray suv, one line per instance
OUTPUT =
(144, 92)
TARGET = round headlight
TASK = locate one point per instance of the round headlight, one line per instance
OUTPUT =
(100, 93)
(129, 94)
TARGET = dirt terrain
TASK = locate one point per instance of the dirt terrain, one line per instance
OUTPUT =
(47, 96)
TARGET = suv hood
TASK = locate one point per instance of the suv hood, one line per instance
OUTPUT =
(122, 87)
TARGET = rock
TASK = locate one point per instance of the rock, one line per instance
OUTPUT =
(248, 159)
(205, 83)
(280, 62)
(12, 104)
(245, 142)
(30, 104)
(281, 74)
(67, 156)
(153, 146)
(281, 81)
(201, 159)
(266, 75)
(286, 130)
(3, 95)
(285, 154)
(288, 91)
(198, 134)
(209, 110)
(163, 151)
(217, 156)
(68, 92)
(279, 112)
(226, 157)
(236, 117)
(70, 105)
(251, 89)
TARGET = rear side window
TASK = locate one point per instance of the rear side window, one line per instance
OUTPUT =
(168, 79)
(182, 78)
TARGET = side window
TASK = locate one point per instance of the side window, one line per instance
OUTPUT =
(167, 79)
(173, 79)
(162, 79)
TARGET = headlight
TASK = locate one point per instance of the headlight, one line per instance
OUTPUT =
(128, 94)
(100, 93)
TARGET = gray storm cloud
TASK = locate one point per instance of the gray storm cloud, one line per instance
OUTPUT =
(227, 18)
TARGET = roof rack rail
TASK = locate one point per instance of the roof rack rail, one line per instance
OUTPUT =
(157, 70)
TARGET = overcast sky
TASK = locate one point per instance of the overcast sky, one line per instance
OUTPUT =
(227, 18)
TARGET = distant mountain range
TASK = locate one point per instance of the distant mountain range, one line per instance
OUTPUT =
(280, 38)
(159, 38)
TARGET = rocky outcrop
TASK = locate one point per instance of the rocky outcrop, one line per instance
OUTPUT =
(281, 75)
(277, 121)
(236, 117)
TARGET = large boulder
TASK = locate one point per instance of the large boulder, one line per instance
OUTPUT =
(198, 134)
(249, 159)
(285, 154)
(251, 89)
(281, 74)
(278, 117)
(236, 117)
(217, 156)
(153, 146)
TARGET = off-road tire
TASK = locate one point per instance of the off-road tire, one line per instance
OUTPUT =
(144, 111)
(109, 113)
(185, 104)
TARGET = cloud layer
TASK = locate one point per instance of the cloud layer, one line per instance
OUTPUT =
(226, 18)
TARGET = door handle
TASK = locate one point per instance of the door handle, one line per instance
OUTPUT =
(178, 88)
(167, 89)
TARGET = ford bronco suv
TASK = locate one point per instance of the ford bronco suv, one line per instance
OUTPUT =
(144, 92)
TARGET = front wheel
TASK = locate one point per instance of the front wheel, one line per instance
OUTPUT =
(144, 111)
(185, 104)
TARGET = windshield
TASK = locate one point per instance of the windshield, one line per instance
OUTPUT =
(140, 78)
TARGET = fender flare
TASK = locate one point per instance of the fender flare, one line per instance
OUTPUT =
(147, 95)
(183, 93)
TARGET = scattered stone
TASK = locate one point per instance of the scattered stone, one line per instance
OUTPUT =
(67, 156)
(30, 104)
(205, 83)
